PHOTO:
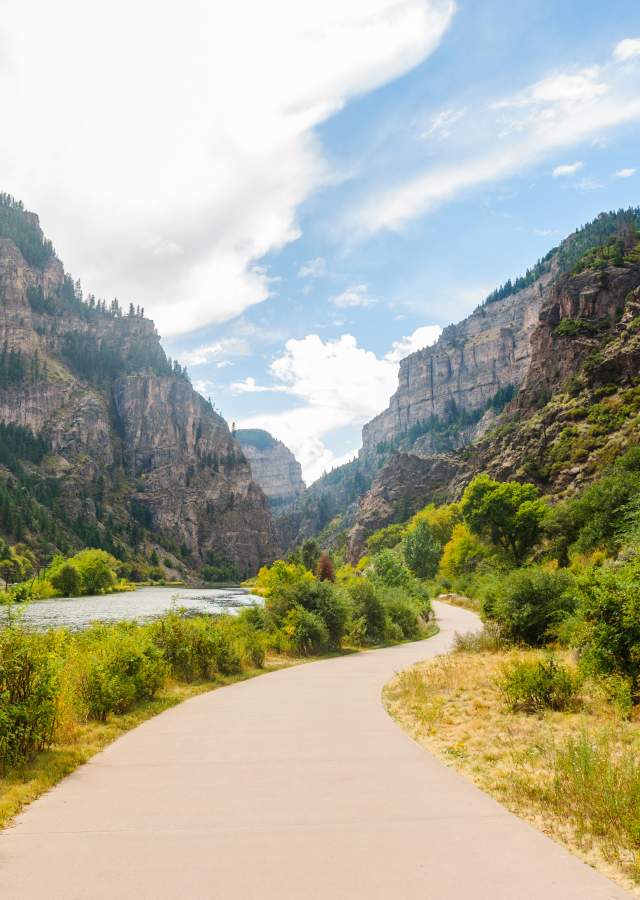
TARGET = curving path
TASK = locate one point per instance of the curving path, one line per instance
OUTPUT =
(292, 786)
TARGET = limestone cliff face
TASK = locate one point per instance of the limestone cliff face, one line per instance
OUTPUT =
(577, 409)
(273, 467)
(465, 369)
(189, 472)
(135, 453)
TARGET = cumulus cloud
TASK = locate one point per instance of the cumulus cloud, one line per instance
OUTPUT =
(510, 134)
(566, 170)
(200, 356)
(173, 143)
(624, 173)
(356, 295)
(313, 268)
(337, 384)
(424, 336)
(627, 49)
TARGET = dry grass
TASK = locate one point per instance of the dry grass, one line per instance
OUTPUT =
(572, 774)
(78, 743)
(460, 600)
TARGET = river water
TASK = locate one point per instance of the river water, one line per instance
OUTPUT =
(141, 605)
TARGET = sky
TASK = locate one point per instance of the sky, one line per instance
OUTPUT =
(301, 194)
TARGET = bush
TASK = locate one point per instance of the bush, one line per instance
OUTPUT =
(404, 615)
(608, 621)
(390, 570)
(29, 690)
(385, 538)
(306, 632)
(528, 604)
(121, 667)
(368, 612)
(67, 580)
(422, 551)
(325, 570)
(195, 648)
(462, 554)
(97, 570)
(534, 685)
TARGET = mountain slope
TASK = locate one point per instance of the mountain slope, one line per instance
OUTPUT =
(577, 408)
(130, 456)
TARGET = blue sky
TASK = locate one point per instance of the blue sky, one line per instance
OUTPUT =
(435, 266)
(301, 202)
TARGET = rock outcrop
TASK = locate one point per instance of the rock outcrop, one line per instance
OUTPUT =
(578, 372)
(467, 367)
(136, 457)
(273, 466)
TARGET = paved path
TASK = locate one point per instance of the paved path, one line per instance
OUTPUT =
(292, 786)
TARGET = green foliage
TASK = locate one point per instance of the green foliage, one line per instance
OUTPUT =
(306, 632)
(576, 327)
(28, 696)
(368, 611)
(97, 570)
(385, 538)
(598, 516)
(608, 629)
(22, 228)
(271, 580)
(463, 554)
(511, 287)
(532, 686)
(389, 570)
(196, 648)
(67, 580)
(594, 234)
(310, 554)
(121, 667)
(422, 551)
(529, 604)
(508, 513)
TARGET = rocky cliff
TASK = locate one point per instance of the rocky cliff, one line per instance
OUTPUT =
(133, 457)
(273, 466)
(578, 403)
(472, 363)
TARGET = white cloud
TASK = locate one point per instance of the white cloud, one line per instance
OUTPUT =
(313, 268)
(627, 49)
(442, 123)
(200, 356)
(624, 173)
(338, 384)
(250, 386)
(179, 137)
(510, 135)
(356, 295)
(424, 336)
(566, 170)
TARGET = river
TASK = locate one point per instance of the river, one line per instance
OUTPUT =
(141, 605)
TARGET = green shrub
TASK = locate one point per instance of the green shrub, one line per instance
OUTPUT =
(404, 615)
(422, 551)
(368, 611)
(306, 632)
(389, 569)
(195, 648)
(534, 685)
(528, 604)
(608, 627)
(385, 538)
(67, 580)
(329, 603)
(120, 667)
(29, 690)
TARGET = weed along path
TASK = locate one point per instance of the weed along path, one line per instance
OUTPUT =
(292, 785)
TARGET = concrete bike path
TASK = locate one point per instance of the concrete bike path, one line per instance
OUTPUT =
(292, 786)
